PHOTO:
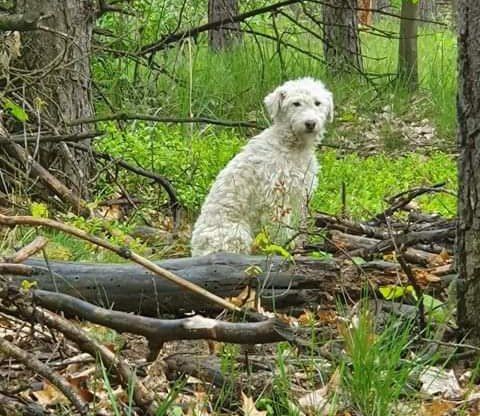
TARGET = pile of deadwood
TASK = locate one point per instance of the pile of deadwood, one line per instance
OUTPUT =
(399, 245)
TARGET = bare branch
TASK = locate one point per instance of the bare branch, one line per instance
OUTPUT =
(147, 117)
(162, 330)
(175, 37)
(21, 139)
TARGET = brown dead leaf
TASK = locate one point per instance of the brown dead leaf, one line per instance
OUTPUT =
(436, 408)
(49, 395)
(424, 277)
(248, 407)
(306, 318)
(246, 298)
(328, 317)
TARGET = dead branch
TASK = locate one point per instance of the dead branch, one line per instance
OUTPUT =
(365, 247)
(105, 7)
(158, 119)
(158, 331)
(56, 186)
(29, 360)
(205, 368)
(54, 138)
(29, 250)
(121, 251)
(402, 199)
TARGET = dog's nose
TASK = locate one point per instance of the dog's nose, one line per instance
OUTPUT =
(310, 125)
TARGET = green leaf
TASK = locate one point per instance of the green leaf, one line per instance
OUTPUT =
(358, 261)
(320, 255)
(275, 249)
(391, 292)
(435, 308)
(39, 210)
(15, 110)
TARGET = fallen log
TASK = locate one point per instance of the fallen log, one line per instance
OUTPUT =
(131, 288)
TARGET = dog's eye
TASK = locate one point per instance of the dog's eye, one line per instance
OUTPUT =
(317, 103)
(297, 104)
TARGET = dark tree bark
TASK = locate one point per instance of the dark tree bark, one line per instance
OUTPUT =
(132, 288)
(407, 51)
(223, 38)
(62, 55)
(468, 110)
(341, 39)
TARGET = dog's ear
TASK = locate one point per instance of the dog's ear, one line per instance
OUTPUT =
(330, 106)
(273, 102)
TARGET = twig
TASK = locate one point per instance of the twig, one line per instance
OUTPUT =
(147, 117)
(400, 200)
(56, 186)
(161, 180)
(123, 252)
(411, 278)
(143, 398)
(34, 364)
(20, 139)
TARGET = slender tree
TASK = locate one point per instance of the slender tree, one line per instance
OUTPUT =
(407, 51)
(468, 111)
(228, 33)
(341, 39)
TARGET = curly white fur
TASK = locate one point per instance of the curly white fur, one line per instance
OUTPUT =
(268, 184)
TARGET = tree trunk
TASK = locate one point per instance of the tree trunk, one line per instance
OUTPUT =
(407, 51)
(223, 38)
(365, 13)
(468, 110)
(341, 44)
(63, 93)
(428, 9)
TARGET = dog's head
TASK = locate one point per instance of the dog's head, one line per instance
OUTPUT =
(303, 105)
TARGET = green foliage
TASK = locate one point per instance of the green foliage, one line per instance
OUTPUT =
(369, 180)
(191, 159)
(374, 375)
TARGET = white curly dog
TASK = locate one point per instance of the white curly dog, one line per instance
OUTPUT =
(267, 185)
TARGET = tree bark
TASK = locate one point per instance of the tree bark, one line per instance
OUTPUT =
(407, 51)
(341, 44)
(222, 38)
(468, 112)
(62, 93)
(131, 288)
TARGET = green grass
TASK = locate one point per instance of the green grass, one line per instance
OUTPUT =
(374, 372)
(193, 160)
(232, 84)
